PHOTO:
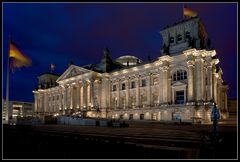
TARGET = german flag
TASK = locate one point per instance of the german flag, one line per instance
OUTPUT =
(188, 12)
(16, 57)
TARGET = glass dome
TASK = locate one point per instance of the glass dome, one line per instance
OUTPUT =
(128, 60)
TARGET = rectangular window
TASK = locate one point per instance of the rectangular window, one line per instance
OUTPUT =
(179, 37)
(121, 116)
(133, 85)
(114, 88)
(171, 40)
(141, 116)
(187, 35)
(131, 117)
(179, 97)
(174, 77)
(185, 75)
(123, 86)
(144, 83)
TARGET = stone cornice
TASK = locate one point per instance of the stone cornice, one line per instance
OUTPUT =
(165, 58)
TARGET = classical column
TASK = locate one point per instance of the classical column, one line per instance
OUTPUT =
(118, 94)
(169, 88)
(60, 99)
(35, 102)
(199, 79)
(85, 99)
(95, 93)
(210, 84)
(66, 97)
(190, 80)
(63, 98)
(45, 102)
(71, 96)
(149, 90)
(165, 84)
(137, 91)
(127, 93)
(160, 86)
(91, 92)
(215, 86)
(81, 95)
(173, 95)
(40, 103)
(219, 95)
(77, 96)
(49, 103)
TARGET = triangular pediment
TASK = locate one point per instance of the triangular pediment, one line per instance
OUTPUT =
(72, 71)
(179, 83)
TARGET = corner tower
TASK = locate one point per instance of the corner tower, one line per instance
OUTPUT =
(186, 34)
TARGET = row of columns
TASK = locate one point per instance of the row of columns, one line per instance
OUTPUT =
(127, 88)
(200, 81)
(74, 96)
(197, 75)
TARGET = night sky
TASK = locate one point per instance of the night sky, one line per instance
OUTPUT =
(62, 32)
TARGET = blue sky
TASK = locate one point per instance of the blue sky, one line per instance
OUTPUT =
(60, 32)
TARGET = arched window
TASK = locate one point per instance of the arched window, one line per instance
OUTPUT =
(179, 75)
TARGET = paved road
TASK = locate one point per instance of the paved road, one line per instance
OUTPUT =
(139, 140)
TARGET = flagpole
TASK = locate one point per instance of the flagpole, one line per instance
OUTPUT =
(7, 86)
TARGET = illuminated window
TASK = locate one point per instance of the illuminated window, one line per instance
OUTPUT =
(131, 117)
(180, 75)
(144, 84)
(133, 85)
(114, 88)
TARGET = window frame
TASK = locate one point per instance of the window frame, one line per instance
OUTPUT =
(143, 83)
(179, 75)
(132, 87)
(123, 87)
(114, 88)
(179, 98)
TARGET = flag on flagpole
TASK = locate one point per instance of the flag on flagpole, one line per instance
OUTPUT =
(188, 12)
(17, 58)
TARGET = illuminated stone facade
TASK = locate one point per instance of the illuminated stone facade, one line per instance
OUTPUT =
(183, 83)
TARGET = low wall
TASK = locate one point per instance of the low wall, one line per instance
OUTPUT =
(75, 121)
